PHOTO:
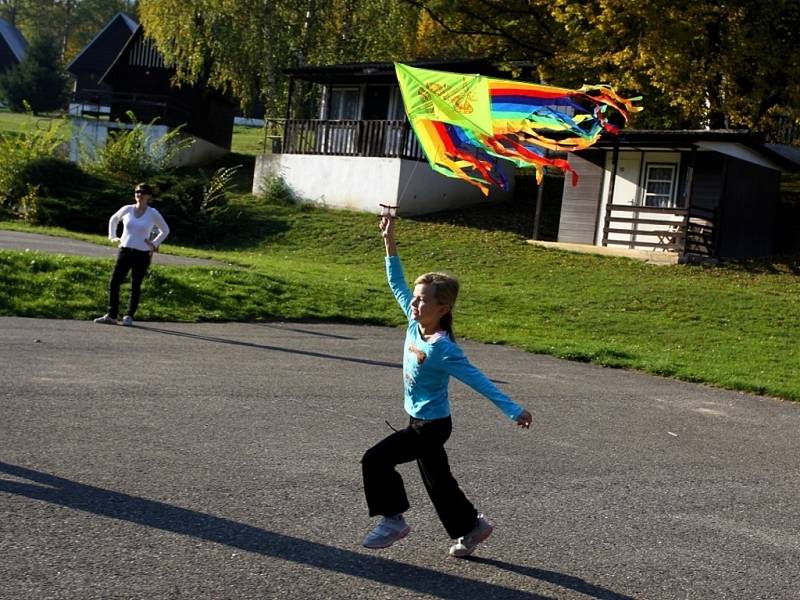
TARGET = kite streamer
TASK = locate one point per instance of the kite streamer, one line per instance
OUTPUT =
(465, 123)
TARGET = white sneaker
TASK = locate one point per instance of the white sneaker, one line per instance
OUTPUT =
(465, 545)
(127, 321)
(106, 320)
(387, 532)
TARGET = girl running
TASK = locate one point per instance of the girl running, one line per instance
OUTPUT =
(430, 357)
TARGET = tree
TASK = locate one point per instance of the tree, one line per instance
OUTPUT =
(715, 63)
(243, 46)
(499, 29)
(37, 80)
(73, 23)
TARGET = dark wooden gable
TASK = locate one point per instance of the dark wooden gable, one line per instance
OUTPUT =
(99, 54)
(142, 83)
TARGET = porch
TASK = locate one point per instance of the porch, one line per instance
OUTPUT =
(682, 231)
(379, 139)
(648, 256)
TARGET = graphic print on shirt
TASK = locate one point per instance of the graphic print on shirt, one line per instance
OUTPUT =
(414, 358)
(421, 356)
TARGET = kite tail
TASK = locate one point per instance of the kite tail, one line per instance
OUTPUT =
(483, 167)
(456, 171)
(538, 161)
(605, 95)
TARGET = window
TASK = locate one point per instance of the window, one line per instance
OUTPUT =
(344, 104)
(659, 187)
(397, 112)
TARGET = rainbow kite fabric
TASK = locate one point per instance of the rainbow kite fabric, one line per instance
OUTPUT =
(465, 123)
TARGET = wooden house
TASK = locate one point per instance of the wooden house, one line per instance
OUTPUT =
(13, 47)
(97, 56)
(139, 81)
(358, 150)
(693, 193)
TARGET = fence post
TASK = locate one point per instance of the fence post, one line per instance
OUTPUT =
(538, 210)
(610, 197)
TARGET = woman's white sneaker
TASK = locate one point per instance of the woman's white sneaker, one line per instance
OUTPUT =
(106, 320)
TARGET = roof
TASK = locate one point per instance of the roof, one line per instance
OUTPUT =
(784, 157)
(14, 39)
(139, 32)
(122, 18)
(383, 72)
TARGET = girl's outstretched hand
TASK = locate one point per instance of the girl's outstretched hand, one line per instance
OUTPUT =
(387, 230)
(524, 419)
(387, 227)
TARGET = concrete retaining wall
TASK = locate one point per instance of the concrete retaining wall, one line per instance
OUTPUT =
(363, 183)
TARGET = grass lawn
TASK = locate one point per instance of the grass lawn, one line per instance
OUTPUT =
(11, 122)
(736, 326)
(246, 140)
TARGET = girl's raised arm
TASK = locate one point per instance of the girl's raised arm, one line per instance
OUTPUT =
(387, 230)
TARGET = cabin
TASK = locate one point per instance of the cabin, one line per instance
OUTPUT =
(358, 151)
(91, 63)
(139, 81)
(706, 194)
(13, 47)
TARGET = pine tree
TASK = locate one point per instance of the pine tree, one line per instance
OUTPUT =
(38, 80)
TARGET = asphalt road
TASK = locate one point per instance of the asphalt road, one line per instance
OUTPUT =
(222, 461)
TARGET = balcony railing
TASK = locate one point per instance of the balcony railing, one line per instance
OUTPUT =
(102, 104)
(686, 231)
(388, 139)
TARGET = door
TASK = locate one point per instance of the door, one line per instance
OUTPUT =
(626, 187)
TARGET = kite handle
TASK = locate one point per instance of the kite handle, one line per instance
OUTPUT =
(388, 211)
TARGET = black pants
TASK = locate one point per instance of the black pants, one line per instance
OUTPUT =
(135, 261)
(422, 441)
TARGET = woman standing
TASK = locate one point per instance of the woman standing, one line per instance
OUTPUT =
(135, 250)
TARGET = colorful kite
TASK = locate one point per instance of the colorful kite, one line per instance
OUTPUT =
(464, 123)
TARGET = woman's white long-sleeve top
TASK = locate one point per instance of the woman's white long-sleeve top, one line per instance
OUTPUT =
(138, 229)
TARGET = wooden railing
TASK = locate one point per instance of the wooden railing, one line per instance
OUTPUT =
(686, 231)
(103, 104)
(701, 232)
(391, 139)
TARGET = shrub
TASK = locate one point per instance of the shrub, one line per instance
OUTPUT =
(59, 193)
(17, 150)
(130, 155)
(274, 190)
(193, 204)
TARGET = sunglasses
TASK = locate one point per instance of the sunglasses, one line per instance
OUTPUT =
(141, 192)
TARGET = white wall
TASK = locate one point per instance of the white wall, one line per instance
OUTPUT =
(362, 183)
(93, 133)
(200, 152)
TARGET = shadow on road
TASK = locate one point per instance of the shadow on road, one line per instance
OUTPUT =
(559, 579)
(208, 338)
(306, 331)
(151, 513)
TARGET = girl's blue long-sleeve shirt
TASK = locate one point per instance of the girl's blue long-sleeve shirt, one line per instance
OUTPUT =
(428, 364)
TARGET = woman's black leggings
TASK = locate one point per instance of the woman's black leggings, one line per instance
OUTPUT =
(135, 261)
(422, 441)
